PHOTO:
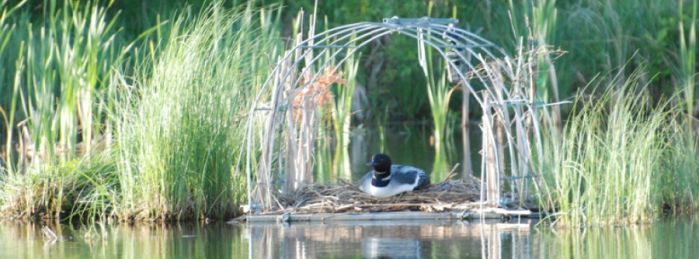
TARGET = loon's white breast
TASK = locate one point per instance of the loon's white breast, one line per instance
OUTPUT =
(402, 178)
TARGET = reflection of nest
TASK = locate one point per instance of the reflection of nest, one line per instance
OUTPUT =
(345, 197)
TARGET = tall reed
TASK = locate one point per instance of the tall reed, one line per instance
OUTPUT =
(610, 164)
(688, 56)
(439, 94)
(179, 124)
(7, 28)
(678, 183)
(342, 115)
(56, 113)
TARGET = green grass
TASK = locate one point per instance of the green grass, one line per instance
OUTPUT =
(439, 94)
(102, 129)
(179, 128)
(66, 68)
(53, 117)
(621, 159)
(341, 118)
(688, 56)
(77, 189)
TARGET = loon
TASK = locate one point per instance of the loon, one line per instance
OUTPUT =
(388, 180)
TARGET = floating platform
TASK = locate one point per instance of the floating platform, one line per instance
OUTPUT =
(450, 200)
(481, 214)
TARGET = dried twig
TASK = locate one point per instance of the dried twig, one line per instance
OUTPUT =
(447, 195)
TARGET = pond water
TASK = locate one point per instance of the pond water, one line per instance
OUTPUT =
(666, 239)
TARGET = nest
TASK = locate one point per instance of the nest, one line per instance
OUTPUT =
(346, 197)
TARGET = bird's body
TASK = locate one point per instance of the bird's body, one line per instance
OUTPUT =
(382, 182)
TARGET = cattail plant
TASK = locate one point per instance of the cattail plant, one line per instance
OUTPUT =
(56, 116)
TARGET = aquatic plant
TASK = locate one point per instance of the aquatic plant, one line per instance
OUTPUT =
(439, 94)
(688, 56)
(535, 22)
(178, 124)
(56, 109)
(100, 137)
(617, 154)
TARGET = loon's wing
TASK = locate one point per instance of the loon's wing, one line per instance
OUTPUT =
(405, 174)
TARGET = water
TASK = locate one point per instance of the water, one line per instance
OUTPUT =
(666, 239)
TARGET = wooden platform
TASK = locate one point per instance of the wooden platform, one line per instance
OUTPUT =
(483, 214)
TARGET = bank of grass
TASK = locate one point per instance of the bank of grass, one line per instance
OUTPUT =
(51, 94)
(84, 188)
(179, 128)
(110, 129)
(621, 159)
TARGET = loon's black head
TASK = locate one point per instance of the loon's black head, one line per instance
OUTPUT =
(381, 164)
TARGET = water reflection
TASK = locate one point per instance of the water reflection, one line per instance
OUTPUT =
(390, 239)
(23, 240)
(374, 247)
(668, 239)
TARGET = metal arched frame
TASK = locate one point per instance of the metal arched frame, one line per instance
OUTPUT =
(469, 58)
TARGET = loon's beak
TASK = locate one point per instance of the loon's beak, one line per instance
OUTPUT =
(372, 163)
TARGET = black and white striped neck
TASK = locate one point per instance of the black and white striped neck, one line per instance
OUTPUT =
(380, 181)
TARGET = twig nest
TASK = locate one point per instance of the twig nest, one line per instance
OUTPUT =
(346, 197)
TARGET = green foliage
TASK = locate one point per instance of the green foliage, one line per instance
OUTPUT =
(439, 94)
(620, 159)
(389, 69)
(53, 119)
(597, 36)
(688, 56)
(83, 189)
(98, 128)
(59, 65)
(179, 125)
(679, 183)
